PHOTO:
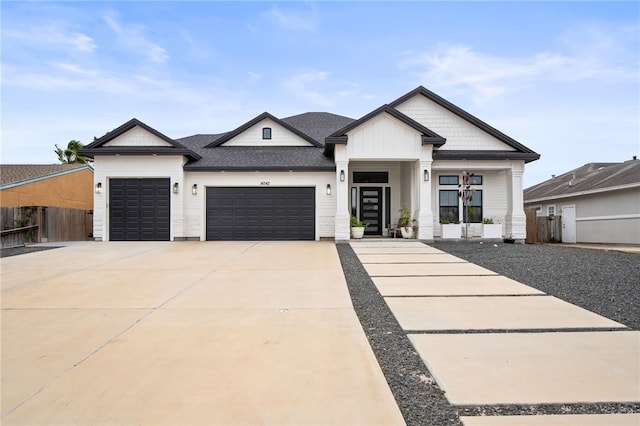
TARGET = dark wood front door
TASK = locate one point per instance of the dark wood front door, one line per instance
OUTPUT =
(371, 210)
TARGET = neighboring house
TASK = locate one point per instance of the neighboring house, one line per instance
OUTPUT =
(598, 202)
(302, 177)
(52, 185)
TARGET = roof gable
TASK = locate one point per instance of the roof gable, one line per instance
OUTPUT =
(143, 140)
(252, 125)
(340, 136)
(511, 144)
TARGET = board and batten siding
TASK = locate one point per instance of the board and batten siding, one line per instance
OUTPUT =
(195, 205)
(384, 137)
(460, 134)
(137, 136)
(280, 136)
(123, 166)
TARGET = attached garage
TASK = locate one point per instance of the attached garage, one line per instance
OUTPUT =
(139, 209)
(261, 213)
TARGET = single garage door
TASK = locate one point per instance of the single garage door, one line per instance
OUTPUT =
(262, 213)
(139, 209)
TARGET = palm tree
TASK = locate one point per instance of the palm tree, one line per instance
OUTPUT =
(70, 154)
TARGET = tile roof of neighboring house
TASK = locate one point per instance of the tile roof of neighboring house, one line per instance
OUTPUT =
(16, 174)
(590, 178)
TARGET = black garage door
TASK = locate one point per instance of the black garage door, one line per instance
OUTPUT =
(263, 213)
(139, 209)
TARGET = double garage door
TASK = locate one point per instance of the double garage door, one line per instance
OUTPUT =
(260, 213)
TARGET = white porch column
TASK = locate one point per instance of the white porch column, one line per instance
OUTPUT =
(343, 215)
(515, 219)
(425, 212)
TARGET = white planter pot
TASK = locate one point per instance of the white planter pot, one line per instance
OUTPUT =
(492, 231)
(357, 232)
(451, 231)
(407, 232)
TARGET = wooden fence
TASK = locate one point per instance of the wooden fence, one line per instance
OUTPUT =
(21, 225)
(543, 229)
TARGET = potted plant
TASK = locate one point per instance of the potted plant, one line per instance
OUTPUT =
(491, 230)
(450, 230)
(357, 228)
(405, 222)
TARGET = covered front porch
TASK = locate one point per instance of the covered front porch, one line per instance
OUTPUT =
(374, 191)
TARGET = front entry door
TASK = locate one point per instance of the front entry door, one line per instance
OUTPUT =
(371, 210)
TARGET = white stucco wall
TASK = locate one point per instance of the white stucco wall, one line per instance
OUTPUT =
(195, 206)
(460, 134)
(137, 136)
(280, 136)
(136, 166)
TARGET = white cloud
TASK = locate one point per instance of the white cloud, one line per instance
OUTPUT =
(585, 54)
(52, 35)
(132, 38)
(290, 20)
(253, 77)
(306, 84)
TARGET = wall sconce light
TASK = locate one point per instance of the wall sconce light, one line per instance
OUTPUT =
(328, 189)
(341, 175)
(175, 188)
(426, 175)
(99, 188)
(194, 189)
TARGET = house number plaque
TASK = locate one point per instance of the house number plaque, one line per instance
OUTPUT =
(265, 183)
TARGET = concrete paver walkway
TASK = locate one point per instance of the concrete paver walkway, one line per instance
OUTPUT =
(490, 340)
(186, 333)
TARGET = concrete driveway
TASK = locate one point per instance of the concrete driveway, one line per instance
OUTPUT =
(186, 333)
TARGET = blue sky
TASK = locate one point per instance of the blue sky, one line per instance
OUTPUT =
(563, 78)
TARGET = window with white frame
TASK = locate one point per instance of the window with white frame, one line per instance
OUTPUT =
(551, 210)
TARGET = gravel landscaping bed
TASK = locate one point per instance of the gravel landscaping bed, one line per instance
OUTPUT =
(602, 282)
(15, 251)
(605, 282)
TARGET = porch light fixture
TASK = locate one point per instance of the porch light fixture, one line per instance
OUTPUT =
(341, 175)
(426, 175)
(99, 188)
(328, 189)
(194, 189)
(175, 188)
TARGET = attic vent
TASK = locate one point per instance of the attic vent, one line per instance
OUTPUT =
(600, 169)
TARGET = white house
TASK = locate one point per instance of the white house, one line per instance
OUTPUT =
(302, 177)
(597, 203)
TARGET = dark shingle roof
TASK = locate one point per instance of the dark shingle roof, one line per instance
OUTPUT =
(590, 177)
(17, 173)
(263, 158)
(315, 125)
(318, 125)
